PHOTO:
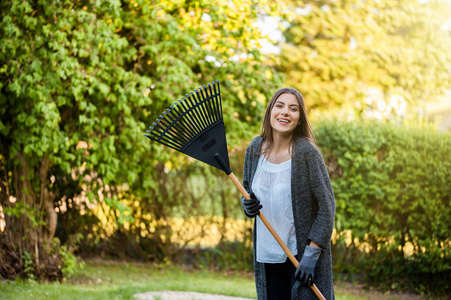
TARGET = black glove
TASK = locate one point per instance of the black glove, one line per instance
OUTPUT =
(306, 268)
(251, 207)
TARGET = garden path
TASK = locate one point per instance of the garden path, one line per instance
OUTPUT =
(173, 295)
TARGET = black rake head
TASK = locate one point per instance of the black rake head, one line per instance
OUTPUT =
(194, 126)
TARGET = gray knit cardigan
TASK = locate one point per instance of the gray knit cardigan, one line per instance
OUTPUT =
(313, 210)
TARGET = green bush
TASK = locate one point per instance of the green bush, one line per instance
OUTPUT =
(28, 265)
(392, 191)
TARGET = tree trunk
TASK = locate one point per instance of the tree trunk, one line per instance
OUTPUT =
(26, 248)
(46, 207)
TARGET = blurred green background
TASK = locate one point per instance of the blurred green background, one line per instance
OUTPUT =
(80, 82)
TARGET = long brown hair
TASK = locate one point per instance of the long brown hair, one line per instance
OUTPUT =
(302, 130)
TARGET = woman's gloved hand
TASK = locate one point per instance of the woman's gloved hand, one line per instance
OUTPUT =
(251, 207)
(306, 268)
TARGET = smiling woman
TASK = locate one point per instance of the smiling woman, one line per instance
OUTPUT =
(287, 179)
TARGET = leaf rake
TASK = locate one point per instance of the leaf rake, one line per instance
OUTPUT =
(195, 127)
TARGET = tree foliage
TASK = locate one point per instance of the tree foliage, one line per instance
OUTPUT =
(81, 80)
(336, 52)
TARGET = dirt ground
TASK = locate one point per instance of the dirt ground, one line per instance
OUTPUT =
(171, 295)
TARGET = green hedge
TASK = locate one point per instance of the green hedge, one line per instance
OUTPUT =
(392, 188)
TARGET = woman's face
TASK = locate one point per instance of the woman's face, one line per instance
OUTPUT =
(285, 114)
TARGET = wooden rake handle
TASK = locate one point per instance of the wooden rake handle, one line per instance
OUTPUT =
(274, 234)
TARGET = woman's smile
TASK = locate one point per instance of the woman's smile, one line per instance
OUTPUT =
(283, 121)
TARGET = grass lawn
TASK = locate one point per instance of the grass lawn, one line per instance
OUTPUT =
(121, 280)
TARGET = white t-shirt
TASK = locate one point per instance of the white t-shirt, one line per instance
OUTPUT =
(272, 186)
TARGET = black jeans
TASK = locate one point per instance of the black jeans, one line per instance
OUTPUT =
(280, 280)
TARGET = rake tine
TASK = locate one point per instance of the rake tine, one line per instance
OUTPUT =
(219, 100)
(155, 136)
(195, 108)
(218, 107)
(177, 120)
(157, 128)
(177, 112)
(208, 103)
(172, 136)
(161, 126)
(193, 119)
(204, 105)
(170, 143)
(213, 104)
(216, 101)
(174, 145)
(162, 134)
(165, 133)
(152, 133)
(192, 115)
(170, 128)
(181, 132)
(159, 140)
(199, 109)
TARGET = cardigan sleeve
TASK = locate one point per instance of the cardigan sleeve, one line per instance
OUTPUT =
(246, 174)
(321, 188)
(249, 164)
